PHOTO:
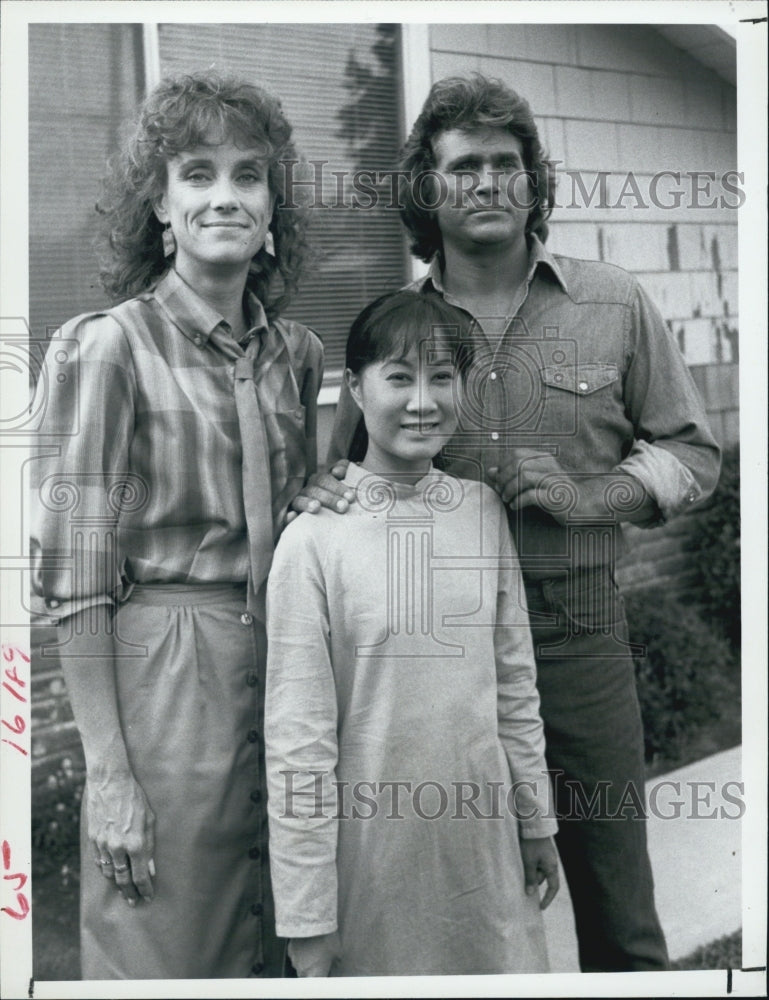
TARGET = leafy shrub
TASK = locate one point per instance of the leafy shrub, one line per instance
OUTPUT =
(688, 680)
(716, 547)
(56, 816)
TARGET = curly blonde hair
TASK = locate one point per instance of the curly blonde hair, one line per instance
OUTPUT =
(183, 112)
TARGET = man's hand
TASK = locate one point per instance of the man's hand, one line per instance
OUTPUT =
(540, 863)
(536, 478)
(314, 956)
(325, 489)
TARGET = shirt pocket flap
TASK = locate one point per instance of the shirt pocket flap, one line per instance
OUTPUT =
(582, 379)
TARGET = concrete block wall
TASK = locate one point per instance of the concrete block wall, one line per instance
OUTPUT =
(617, 105)
(623, 101)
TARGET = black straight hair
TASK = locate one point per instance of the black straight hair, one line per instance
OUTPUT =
(394, 323)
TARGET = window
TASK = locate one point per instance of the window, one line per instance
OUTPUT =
(84, 80)
(339, 85)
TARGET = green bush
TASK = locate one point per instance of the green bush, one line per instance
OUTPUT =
(715, 545)
(688, 680)
(56, 816)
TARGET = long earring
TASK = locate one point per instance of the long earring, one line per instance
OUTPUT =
(269, 243)
(169, 241)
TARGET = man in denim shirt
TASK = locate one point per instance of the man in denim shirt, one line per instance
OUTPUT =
(580, 410)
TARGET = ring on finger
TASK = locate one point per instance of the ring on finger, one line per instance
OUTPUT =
(121, 868)
(105, 863)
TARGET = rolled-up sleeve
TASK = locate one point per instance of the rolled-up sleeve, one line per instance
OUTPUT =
(81, 471)
(300, 735)
(675, 455)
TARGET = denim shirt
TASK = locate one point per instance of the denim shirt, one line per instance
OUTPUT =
(588, 371)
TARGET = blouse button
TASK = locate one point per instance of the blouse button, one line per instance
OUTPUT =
(198, 341)
(254, 853)
(583, 386)
(253, 736)
(53, 603)
(494, 436)
(246, 618)
(252, 680)
(257, 969)
(256, 796)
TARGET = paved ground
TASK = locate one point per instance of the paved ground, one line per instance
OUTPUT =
(695, 853)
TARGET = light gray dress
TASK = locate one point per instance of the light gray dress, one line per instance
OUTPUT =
(401, 709)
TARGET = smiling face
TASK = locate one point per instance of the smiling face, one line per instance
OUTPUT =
(409, 406)
(489, 195)
(218, 202)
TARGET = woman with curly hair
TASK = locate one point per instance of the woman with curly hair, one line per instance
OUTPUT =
(184, 423)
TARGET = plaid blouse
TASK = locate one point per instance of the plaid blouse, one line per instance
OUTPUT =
(140, 479)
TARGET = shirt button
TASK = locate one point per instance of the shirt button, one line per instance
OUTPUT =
(258, 968)
(494, 436)
(53, 603)
(493, 376)
(246, 618)
(253, 735)
(583, 386)
(198, 341)
(256, 796)
(254, 853)
(252, 680)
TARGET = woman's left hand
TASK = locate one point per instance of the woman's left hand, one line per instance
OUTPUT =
(540, 864)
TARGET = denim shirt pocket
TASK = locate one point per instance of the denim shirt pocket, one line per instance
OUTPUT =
(582, 379)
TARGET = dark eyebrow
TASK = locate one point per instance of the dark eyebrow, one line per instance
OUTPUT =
(471, 159)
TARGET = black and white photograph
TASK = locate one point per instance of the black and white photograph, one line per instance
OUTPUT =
(384, 523)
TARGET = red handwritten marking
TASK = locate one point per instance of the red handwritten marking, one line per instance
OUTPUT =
(14, 693)
(13, 676)
(21, 878)
(9, 652)
(21, 899)
(18, 725)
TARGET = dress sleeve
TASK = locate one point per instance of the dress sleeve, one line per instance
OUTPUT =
(81, 473)
(675, 455)
(520, 726)
(300, 735)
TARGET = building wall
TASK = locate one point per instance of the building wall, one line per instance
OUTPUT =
(621, 99)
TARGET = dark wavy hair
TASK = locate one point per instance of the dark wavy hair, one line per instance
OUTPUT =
(180, 113)
(468, 103)
(394, 323)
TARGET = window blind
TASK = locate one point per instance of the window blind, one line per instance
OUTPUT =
(84, 80)
(339, 86)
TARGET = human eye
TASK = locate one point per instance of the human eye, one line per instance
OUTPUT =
(250, 177)
(399, 377)
(444, 376)
(196, 175)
